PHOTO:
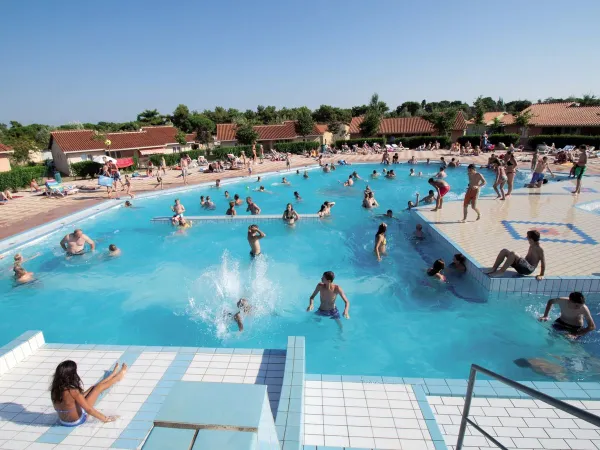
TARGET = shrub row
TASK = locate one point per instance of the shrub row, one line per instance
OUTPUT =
(220, 153)
(360, 142)
(20, 177)
(496, 138)
(84, 169)
(560, 140)
(415, 141)
(297, 148)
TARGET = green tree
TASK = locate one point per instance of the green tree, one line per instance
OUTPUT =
(442, 121)
(266, 114)
(245, 133)
(181, 138)
(359, 110)
(21, 149)
(375, 111)
(151, 118)
(181, 118)
(304, 122)
(479, 115)
(523, 119)
(324, 114)
(517, 106)
(411, 107)
(337, 123)
(496, 126)
(589, 100)
(404, 112)
(203, 126)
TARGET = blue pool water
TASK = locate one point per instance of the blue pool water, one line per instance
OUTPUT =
(174, 289)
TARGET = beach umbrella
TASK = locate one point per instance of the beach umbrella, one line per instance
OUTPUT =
(101, 159)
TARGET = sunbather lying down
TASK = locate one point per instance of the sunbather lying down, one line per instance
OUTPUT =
(6, 195)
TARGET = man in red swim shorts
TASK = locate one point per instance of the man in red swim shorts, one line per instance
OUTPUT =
(442, 189)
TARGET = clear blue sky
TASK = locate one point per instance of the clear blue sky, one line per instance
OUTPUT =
(88, 61)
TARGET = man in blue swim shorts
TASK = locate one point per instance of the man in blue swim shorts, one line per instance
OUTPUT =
(328, 293)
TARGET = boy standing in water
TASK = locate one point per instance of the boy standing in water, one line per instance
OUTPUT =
(254, 236)
(328, 293)
(573, 311)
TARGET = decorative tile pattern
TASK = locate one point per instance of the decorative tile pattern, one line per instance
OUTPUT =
(550, 231)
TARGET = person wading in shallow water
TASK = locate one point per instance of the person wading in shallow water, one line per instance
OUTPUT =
(254, 236)
(328, 293)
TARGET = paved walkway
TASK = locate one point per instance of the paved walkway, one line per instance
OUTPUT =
(32, 210)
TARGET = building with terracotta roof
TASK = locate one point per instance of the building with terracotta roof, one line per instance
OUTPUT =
(560, 118)
(5, 152)
(408, 126)
(269, 135)
(71, 146)
(488, 120)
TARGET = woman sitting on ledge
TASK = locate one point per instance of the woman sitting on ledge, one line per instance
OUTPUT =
(71, 402)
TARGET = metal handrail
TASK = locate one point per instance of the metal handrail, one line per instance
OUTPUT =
(563, 406)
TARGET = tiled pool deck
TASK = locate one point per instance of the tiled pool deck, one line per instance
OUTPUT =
(313, 412)
(570, 235)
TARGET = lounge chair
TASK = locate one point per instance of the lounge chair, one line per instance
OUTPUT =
(54, 188)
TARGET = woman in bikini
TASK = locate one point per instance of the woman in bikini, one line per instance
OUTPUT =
(71, 402)
(511, 170)
(128, 187)
(289, 215)
(501, 179)
(380, 241)
(231, 211)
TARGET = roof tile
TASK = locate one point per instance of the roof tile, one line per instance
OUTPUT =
(406, 125)
(566, 114)
(286, 130)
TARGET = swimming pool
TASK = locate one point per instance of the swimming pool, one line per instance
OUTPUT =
(175, 289)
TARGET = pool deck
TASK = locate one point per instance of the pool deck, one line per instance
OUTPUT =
(569, 235)
(311, 411)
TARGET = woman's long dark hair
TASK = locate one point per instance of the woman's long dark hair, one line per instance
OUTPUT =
(437, 267)
(382, 229)
(65, 378)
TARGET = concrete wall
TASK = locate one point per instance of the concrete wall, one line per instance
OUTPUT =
(4, 163)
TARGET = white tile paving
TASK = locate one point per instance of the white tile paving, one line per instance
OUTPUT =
(363, 415)
(518, 424)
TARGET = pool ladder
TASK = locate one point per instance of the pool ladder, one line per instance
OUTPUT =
(559, 404)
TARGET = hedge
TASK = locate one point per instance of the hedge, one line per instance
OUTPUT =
(20, 177)
(560, 140)
(475, 139)
(297, 148)
(415, 141)
(84, 169)
(361, 141)
(219, 153)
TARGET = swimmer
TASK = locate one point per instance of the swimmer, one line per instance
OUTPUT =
(297, 196)
(254, 236)
(369, 201)
(429, 198)
(178, 209)
(217, 183)
(297, 171)
(128, 204)
(380, 241)
(258, 179)
(252, 207)
(202, 201)
(328, 293)
(543, 367)
(412, 205)
(305, 176)
(261, 189)
(436, 270)
(74, 243)
(419, 232)
(390, 174)
(208, 204)
(244, 308)
(226, 194)
(289, 215)
(367, 190)
(328, 206)
(113, 250)
(182, 223)
(374, 174)
(420, 174)
(459, 263)
(231, 211)
(350, 181)
(21, 275)
(428, 161)
(411, 173)
(355, 176)
(326, 168)
(238, 201)
(441, 174)
(573, 311)
(321, 212)
(284, 181)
